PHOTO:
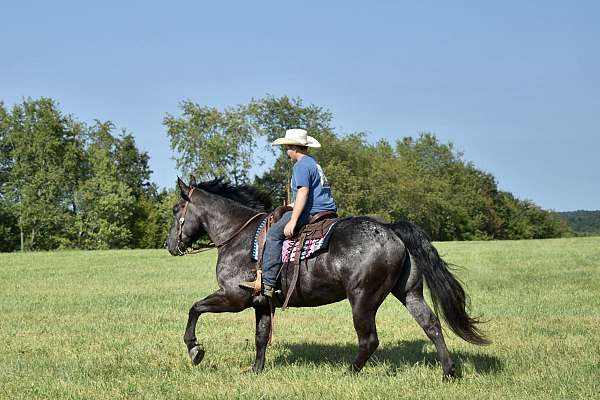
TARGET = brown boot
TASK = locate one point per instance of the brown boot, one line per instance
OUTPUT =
(268, 291)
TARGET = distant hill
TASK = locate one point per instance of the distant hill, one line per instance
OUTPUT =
(582, 222)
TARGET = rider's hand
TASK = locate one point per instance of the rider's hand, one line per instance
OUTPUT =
(288, 230)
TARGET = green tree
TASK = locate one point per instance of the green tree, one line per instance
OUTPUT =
(210, 143)
(272, 116)
(105, 200)
(133, 169)
(9, 228)
(132, 165)
(349, 163)
(42, 153)
(6, 160)
(63, 184)
(116, 200)
(153, 218)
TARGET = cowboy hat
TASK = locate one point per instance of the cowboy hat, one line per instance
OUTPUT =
(297, 137)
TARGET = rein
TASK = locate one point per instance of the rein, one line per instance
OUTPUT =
(223, 243)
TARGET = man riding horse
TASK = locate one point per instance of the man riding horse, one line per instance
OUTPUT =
(311, 193)
(366, 260)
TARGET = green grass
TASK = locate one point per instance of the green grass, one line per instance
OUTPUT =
(108, 325)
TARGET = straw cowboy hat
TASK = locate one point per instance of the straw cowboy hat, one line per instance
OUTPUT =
(297, 137)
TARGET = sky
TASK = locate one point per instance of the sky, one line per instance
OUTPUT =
(514, 85)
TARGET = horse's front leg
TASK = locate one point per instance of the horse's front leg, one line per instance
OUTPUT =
(217, 302)
(263, 332)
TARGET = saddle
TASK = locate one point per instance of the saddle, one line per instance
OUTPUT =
(316, 228)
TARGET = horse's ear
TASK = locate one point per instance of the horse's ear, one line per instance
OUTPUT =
(183, 188)
(193, 181)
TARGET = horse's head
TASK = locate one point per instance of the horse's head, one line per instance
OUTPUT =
(186, 227)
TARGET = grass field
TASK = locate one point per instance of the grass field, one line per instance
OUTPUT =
(108, 325)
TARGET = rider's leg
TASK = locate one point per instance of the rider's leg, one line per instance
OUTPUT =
(272, 252)
(272, 255)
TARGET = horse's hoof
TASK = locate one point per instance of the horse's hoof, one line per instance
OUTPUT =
(448, 378)
(196, 354)
(450, 375)
(252, 370)
(351, 371)
(257, 369)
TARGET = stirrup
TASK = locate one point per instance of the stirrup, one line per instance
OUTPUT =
(247, 284)
(255, 285)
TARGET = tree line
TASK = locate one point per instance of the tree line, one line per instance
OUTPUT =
(64, 184)
(582, 223)
(67, 184)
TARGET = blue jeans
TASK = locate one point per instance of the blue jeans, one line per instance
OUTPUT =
(273, 246)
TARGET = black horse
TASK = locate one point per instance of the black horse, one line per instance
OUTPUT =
(366, 260)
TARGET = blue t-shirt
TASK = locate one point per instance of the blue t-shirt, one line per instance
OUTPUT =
(307, 173)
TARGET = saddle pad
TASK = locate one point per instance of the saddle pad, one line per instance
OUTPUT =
(311, 246)
(254, 251)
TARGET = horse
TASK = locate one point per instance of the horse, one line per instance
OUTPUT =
(366, 260)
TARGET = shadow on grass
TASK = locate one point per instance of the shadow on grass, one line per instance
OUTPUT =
(403, 353)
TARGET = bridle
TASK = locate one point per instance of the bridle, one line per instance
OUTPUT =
(181, 221)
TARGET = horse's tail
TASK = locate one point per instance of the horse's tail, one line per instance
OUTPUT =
(446, 291)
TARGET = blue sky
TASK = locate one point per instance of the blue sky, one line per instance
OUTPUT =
(514, 85)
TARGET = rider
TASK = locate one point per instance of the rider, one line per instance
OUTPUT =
(311, 193)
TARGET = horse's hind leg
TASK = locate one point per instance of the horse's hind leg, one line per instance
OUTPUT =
(364, 323)
(365, 302)
(413, 299)
(366, 290)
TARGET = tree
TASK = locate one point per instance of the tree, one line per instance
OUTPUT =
(63, 184)
(272, 116)
(6, 160)
(210, 143)
(132, 165)
(9, 228)
(116, 199)
(153, 218)
(349, 163)
(42, 153)
(111, 198)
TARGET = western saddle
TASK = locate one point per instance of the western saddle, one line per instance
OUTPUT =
(316, 228)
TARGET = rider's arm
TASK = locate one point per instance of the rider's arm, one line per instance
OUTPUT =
(299, 203)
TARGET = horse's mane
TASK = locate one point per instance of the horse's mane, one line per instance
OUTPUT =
(243, 194)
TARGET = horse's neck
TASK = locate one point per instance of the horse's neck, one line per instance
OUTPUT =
(222, 217)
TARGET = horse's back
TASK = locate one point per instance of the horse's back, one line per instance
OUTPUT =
(363, 252)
